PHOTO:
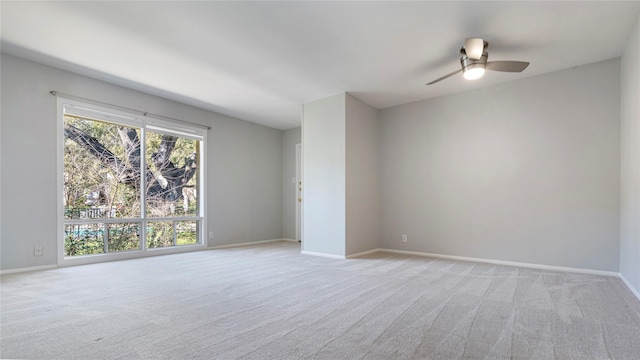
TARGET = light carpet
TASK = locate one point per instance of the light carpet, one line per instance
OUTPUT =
(270, 302)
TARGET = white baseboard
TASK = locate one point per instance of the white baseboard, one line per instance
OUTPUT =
(27, 269)
(507, 263)
(633, 290)
(363, 253)
(339, 257)
(249, 243)
(181, 250)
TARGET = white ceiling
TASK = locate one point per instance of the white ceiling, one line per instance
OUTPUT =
(260, 61)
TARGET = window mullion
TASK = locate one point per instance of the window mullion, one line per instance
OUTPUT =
(105, 237)
(175, 234)
(143, 187)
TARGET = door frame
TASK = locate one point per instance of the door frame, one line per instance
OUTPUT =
(298, 192)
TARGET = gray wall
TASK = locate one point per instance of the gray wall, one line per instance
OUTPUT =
(289, 140)
(630, 161)
(362, 190)
(323, 164)
(244, 162)
(526, 171)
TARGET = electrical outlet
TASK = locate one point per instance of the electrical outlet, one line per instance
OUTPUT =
(211, 235)
(404, 238)
(37, 250)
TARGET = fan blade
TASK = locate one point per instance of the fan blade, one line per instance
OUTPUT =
(507, 66)
(474, 47)
(444, 77)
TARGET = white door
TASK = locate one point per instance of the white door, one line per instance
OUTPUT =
(299, 192)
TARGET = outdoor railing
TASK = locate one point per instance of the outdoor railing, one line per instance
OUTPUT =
(89, 213)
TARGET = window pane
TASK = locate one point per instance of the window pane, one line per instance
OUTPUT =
(104, 174)
(84, 239)
(101, 170)
(160, 234)
(124, 236)
(172, 183)
(186, 232)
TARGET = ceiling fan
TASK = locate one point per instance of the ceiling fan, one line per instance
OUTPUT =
(473, 60)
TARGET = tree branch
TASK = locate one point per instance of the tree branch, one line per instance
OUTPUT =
(124, 173)
(161, 157)
(166, 185)
(129, 137)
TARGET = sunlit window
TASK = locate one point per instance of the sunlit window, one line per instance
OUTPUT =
(128, 185)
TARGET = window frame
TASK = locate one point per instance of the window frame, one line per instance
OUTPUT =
(144, 123)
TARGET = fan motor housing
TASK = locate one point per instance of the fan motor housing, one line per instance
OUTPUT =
(467, 63)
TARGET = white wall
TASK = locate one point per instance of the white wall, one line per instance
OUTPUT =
(323, 168)
(630, 161)
(362, 190)
(245, 181)
(290, 138)
(525, 171)
(244, 162)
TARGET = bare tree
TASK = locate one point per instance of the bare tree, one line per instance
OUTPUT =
(165, 180)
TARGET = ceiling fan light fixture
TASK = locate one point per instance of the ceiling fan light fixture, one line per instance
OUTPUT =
(473, 62)
(473, 72)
